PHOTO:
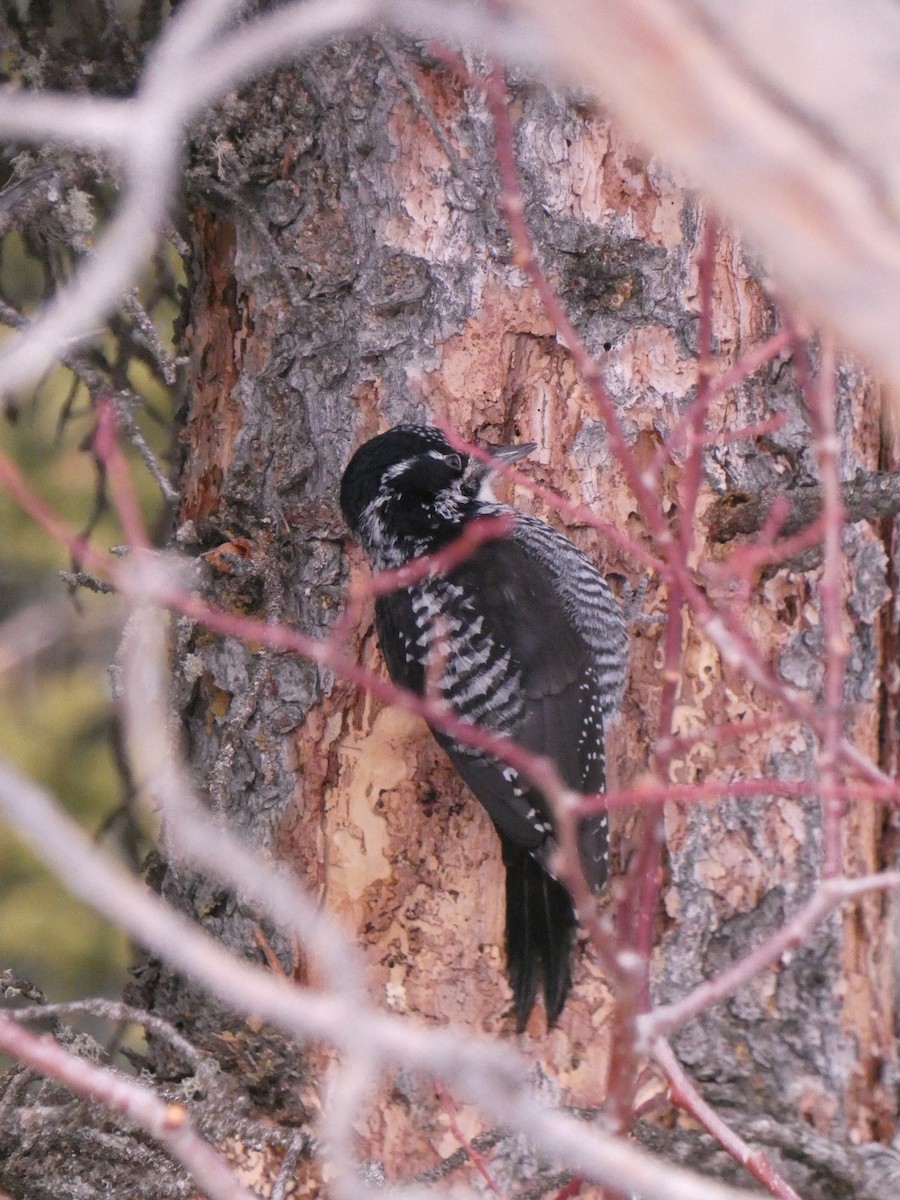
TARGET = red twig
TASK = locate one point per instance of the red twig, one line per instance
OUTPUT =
(619, 969)
(579, 513)
(749, 362)
(640, 895)
(169, 1124)
(821, 404)
(746, 432)
(748, 559)
(572, 1188)
(124, 497)
(685, 1094)
(477, 1158)
(722, 731)
(830, 894)
(382, 583)
(649, 791)
(474, 535)
(79, 549)
(691, 475)
(745, 366)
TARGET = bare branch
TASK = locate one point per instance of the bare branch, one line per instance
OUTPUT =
(111, 1010)
(662, 1021)
(484, 1073)
(685, 1095)
(786, 131)
(169, 1124)
(41, 116)
(869, 496)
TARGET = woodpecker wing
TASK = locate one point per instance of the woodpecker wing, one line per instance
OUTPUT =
(500, 641)
(587, 600)
(562, 715)
(510, 660)
(524, 639)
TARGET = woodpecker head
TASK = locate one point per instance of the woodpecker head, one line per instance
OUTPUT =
(408, 492)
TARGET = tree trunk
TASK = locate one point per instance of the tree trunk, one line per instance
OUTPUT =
(350, 270)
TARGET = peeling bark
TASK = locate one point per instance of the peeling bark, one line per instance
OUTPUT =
(383, 291)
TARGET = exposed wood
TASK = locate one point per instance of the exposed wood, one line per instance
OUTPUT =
(403, 304)
(784, 117)
(350, 266)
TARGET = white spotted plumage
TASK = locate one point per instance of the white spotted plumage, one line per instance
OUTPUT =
(524, 639)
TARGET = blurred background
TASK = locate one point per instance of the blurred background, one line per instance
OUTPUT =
(57, 640)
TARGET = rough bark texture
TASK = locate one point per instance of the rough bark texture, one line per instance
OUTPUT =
(346, 275)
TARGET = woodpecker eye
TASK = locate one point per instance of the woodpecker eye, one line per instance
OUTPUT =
(454, 461)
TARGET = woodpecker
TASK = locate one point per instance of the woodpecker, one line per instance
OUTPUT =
(524, 639)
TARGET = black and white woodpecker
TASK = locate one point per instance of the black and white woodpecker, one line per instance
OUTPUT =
(524, 638)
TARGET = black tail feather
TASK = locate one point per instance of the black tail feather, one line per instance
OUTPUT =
(540, 931)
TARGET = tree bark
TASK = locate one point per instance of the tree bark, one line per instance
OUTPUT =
(350, 270)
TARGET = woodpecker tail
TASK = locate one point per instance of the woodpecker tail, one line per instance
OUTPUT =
(540, 931)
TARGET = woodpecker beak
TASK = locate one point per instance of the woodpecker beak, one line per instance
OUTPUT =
(480, 474)
(507, 455)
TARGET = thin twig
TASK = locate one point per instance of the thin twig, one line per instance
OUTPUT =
(691, 475)
(488, 1074)
(474, 1154)
(826, 443)
(111, 1010)
(169, 1124)
(830, 894)
(685, 1094)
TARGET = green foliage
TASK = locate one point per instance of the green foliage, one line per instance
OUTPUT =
(55, 708)
(55, 725)
(56, 713)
